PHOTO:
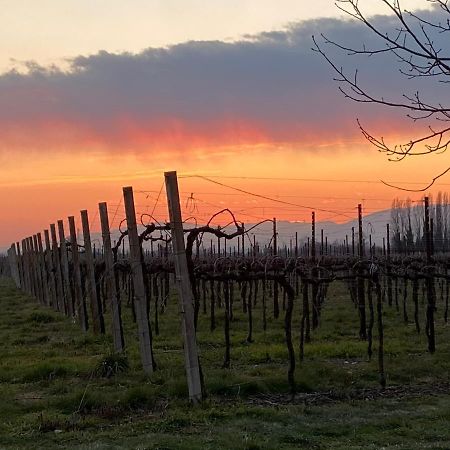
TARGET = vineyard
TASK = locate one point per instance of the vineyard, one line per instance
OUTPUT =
(237, 300)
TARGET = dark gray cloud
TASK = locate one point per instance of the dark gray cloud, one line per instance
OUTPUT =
(271, 83)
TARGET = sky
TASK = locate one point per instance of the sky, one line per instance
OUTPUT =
(97, 95)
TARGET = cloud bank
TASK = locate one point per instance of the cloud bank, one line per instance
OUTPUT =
(268, 88)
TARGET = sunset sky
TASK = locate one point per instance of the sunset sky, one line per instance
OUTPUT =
(96, 95)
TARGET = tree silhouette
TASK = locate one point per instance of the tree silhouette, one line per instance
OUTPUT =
(418, 43)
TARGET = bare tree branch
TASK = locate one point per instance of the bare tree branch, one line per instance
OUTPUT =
(422, 189)
(414, 42)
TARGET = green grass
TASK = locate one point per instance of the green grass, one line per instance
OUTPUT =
(60, 388)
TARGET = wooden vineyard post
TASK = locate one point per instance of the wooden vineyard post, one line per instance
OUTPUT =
(296, 245)
(314, 274)
(296, 277)
(184, 289)
(45, 286)
(389, 269)
(361, 284)
(276, 306)
(23, 272)
(37, 270)
(26, 273)
(140, 300)
(429, 281)
(431, 235)
(353, 241)
(98, 325)
(313, 237)
(79, 301)
(15, 261)
(360, 233)
(29, 244)
(50, 272)
(20, 266)
(57, 268)
(321, 242)
(68, 301)
(243, 241)
(113, 300)
(28, 241)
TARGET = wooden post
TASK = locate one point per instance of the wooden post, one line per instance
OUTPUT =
(23, 265)
(34, 262)
(13, 262)
(79, 300)
(314, 274)
(38, 271)
(389, 268)
(275, 238)
(360, 231)
(140, 299)
(43, 268)
(361, 283)
(26, 274)
(313, 236)
(276, 307)
(184, 289)
(98, 325)
(20, 266)
(353, 241)
(428, 231)
(50, 270)
(321, 242)
(68, 301)
(110, 278)
(31, 267)
(243, 242)
(16, 256)
(429, 281)
(57, 268)
(432, 235)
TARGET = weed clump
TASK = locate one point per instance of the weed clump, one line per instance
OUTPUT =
(111, 365)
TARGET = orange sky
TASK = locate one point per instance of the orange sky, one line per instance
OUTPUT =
(37, 189)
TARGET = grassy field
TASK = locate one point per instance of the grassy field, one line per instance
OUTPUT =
(53, 393)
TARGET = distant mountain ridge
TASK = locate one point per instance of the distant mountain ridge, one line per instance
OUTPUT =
(374, 224)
